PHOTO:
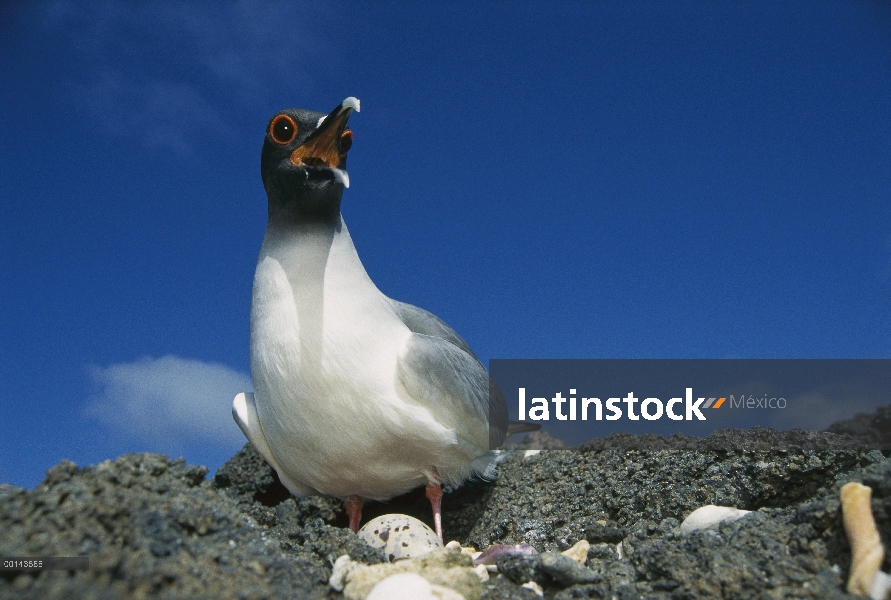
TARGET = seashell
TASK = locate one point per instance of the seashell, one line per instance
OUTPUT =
(482, 571)
(710, 514)
(411, 586)
(531, 585)
(448, 574)
(579, 552)
(399, 536)
(340, 574)
(867, 552)
(490, 555)
(881, 586)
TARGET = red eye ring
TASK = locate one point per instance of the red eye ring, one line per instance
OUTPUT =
(283, 129)
(346, 141)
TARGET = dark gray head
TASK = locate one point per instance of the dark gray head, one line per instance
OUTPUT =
(303, 162)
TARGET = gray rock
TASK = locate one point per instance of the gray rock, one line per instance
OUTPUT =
(602, 552)
(521, 568)
(536, 440)
(585, 592)
(872, 429)
(7, 490)
(730, 440)
(565, 570)
(553, 499)
(605, 531)
(154, 527)
(500, 588)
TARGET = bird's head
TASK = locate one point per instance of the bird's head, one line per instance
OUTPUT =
(303, 163)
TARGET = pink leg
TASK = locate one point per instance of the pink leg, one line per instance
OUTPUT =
(354, 510)
(434, 494)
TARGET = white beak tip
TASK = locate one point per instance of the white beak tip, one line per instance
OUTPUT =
(341, 176)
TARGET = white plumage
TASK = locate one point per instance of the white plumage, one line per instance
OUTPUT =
(356, 395)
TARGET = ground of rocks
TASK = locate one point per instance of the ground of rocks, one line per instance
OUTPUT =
(155, 527)
(874, 429)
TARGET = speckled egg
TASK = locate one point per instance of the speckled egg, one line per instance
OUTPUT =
(400, 536)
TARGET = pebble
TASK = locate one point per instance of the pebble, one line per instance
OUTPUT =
(490, 555)
(521, 568)
(566, 570)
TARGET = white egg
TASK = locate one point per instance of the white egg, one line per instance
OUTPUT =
(400, 536)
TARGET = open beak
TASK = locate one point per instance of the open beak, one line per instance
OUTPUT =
(322, 154)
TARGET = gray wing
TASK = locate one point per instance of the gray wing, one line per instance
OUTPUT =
(453, 385)
(419, 320)
(424, 322)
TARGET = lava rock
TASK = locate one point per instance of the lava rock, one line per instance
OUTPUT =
(154, 527)
(730, 440)
(537, 440)
(500, 588)
(872, 429)
(521, 568)
(7, 490)
(604, 531)
(585, 592)
(553, 499)
(565, 570)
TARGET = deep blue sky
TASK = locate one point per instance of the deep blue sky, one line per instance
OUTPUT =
(605, 179)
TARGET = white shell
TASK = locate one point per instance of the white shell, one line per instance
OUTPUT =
(706, 516)
(400, 536)
(411, 586)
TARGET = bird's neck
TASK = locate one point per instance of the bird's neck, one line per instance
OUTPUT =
(321, 206)
(314, 270)
(293, 226)
(308, 250)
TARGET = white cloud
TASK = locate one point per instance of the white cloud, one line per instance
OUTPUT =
(168, 402)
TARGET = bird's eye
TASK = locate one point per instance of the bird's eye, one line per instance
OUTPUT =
(283, 129)
(346, 141)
